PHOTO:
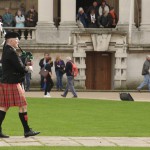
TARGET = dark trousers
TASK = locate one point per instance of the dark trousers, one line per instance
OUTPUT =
(27, 81)
(70, 86)
(42, 82)
(59, 76)
(49, 85)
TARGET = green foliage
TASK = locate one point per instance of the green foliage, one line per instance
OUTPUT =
(81, 117)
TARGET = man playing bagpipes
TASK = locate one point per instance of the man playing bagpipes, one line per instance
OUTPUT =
(11, 92)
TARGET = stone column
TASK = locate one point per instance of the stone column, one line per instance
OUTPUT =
(45, 12)
(68, 14)
(145, 19)
(124, 14)
(45, 23)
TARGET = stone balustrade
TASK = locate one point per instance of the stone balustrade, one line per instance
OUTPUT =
(26, 33)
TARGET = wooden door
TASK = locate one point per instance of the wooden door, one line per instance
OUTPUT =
(98, 71)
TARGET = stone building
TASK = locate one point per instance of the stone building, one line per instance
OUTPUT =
(107, 58)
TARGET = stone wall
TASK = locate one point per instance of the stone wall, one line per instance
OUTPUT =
(135, 63)
(127, 60)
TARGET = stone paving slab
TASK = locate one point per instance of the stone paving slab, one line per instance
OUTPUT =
(129, 142)
(76, 141)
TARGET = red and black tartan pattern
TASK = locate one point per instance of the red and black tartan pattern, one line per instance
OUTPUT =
(12, 95)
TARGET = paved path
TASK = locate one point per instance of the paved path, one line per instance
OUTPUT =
(82, 141)
(143, 96)
(76, 141)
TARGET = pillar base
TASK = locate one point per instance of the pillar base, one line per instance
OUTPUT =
(125, 27)
(68, 25)
(44, 32)
(46, 25)
(145, 27)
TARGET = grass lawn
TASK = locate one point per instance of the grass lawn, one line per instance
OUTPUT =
(72, 148)
(80, 117)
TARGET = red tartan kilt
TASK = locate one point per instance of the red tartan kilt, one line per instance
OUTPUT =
(12, 95)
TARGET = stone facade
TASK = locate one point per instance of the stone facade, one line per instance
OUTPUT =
(102, 41)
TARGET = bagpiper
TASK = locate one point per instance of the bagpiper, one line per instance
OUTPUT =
(11, 92)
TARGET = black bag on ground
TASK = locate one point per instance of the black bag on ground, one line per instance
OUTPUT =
(126, 97)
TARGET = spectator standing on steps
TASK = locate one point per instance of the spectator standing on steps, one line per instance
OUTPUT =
(59, 70)
(48, 79)
(42, 64)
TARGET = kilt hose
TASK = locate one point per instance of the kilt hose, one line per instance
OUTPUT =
(12, 95)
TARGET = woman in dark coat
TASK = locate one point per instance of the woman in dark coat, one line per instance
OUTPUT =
(48, 79)
(11, 92)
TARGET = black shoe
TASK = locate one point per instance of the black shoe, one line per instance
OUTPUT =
(30, 133)
(3, 135)
(75, 97)
(63, 95)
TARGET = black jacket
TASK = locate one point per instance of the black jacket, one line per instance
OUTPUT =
(13, 70)
(33, 16)
(91, 24)
(59, 66)
(41, 63)
(146, 67)
(68, 69)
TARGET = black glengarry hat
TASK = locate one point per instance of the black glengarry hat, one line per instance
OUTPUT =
(12, 35)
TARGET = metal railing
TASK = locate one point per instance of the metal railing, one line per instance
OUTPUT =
(26, 33)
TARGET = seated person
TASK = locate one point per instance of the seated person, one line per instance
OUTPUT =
(112, 18)
(82, 17)
(93, 20)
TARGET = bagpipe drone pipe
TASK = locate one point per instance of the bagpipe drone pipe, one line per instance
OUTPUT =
(25, 56)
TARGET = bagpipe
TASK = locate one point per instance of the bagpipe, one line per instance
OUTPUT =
(25, 56)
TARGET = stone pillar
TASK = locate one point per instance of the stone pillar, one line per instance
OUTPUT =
(124, 14)
(145, 20)
(68, 14)
(120, 76)
(45, 21)
(45, 12)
